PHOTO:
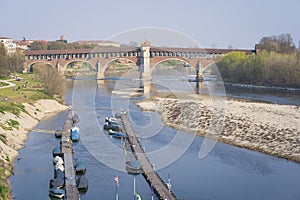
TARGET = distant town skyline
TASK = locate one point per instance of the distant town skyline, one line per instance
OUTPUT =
(237, 23)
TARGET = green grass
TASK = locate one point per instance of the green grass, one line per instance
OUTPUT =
(3, 84)
(3, 138)
(9, 125)
(13, 123)
(38, 95)
(4, 189)
(12, 107)
(28, 90)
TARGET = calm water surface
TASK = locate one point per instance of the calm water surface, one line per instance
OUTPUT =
(227, 173)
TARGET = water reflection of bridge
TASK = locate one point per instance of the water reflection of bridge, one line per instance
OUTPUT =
(146, 57)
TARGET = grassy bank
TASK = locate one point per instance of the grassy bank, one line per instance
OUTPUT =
(27, 90)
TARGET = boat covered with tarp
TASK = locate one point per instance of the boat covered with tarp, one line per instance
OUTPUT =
(133, 167)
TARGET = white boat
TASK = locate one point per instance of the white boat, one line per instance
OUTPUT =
(59, 167)
(58, 160)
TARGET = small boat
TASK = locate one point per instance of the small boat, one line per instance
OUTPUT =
(119, 135)
(59, 167)
(110, 132)
(75, 136)
(111, 119)
(75, 129)
(75, 118)
(59, 183)
(82, 184)
(56, 151)
(58, 174)
(58, 160)
(133, 167)
(115, 123)
(80, 168)
(58, 134)
(113, 127)
(57, 193)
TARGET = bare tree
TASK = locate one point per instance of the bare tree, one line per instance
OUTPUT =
(53, 82)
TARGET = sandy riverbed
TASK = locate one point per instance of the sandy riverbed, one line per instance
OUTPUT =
(16, 137)
(269, 128)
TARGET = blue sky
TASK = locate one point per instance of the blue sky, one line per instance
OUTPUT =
(218, 23)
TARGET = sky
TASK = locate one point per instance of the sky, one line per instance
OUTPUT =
(207, 23)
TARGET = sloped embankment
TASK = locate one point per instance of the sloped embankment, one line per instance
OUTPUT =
(14, 128)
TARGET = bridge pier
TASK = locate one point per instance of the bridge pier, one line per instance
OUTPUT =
(199, 72)
(100, 72)
(145, 60)
(145, 85)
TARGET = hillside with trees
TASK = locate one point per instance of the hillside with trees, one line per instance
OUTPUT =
(276, 64)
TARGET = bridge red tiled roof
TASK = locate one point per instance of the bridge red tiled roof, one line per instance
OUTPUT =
(81, 51)
(63, 51)
(134, 49)
(200, 50)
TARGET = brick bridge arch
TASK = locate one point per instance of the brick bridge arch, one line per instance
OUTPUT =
(145, 57)
(104, 64)
(31, 65)
(194, 62)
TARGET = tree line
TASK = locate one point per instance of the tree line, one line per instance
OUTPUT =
(58, 45)
(10, 63)
(276, 64)
(49, 76)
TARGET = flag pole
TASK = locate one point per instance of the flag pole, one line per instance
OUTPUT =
(117, 195)
(117, 185)
(134, 187)
(151, 190)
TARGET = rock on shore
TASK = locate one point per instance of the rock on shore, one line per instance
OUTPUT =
(269, 128)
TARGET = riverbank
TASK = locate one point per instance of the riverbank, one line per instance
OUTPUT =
(269, 128)
(14, 128)
(267, 88)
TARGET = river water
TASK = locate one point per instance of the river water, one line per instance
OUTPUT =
(227, 172)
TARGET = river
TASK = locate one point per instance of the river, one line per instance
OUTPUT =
(227, 173)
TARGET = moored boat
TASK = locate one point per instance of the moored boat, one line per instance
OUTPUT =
(56, 151)
(58, 134)
(80, 168)
(75, 118)
(110, 126)
(82, 184)
(111, 119)
(75, 129)
(59, 167)
(75, 136)
(58, 174)
(58, 160)
(57, 193)
(59, 183)
(133, 167)
(119, 135)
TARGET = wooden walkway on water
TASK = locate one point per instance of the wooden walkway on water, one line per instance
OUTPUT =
(66, 148)
(149, 173)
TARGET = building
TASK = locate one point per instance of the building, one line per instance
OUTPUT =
(9, 44)
(23, 45)
(62, 39)
(105, 43)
